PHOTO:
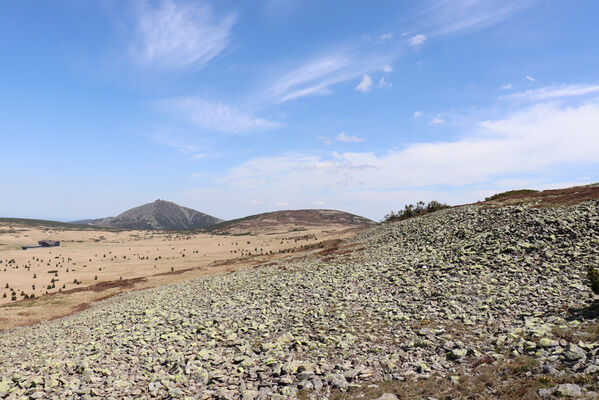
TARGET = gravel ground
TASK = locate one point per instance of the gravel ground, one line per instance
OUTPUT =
(405, 300)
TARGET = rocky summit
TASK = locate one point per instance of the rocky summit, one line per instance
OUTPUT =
(450, 299)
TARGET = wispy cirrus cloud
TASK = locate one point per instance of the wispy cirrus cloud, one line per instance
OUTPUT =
(318, 75)
(385, 37)
(555, 92)
(315, 77)
(214, 115)
(445, 17)
(448, 16)
(175, 35)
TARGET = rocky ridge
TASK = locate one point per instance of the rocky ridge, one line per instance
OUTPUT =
(425, 298)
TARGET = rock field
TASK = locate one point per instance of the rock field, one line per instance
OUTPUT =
(410, 300)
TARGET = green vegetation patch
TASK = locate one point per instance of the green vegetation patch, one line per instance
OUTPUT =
(510, 193)
(412, 210)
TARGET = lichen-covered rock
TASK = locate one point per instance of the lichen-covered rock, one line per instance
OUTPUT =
(568, 390)
(425, 296)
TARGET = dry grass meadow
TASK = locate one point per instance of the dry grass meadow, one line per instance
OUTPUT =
(92, 264)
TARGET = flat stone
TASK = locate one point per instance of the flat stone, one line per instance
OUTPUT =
(456, 354)
(388, 396)
(546, 342)
(568, 390)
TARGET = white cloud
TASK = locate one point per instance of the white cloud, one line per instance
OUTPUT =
(507, 86)
(418, 114)
(256, 202)
(417, 40)
(437, 121)
(311, 78)
(529, 142)
(387, 68)
(215, 116)
(342, 137)
(530, 78)
(365, 84)
(522, 149)
(383, 83)
(319, 75)
(385, 37)
(318, 203)
(281, 204)
(448, 16)
(177, 35)
(555, 92)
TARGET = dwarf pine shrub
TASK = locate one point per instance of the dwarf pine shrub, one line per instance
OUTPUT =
(411, 210)
(593, 276)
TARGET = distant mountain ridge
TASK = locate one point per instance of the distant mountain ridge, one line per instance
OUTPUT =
(159, 215)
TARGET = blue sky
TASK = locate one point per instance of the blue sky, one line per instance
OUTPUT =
(236, 108)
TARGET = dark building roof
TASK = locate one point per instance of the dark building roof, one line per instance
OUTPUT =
(49, 243)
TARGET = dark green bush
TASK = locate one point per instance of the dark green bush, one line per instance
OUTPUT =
(411, 210)
(593, 275)
(510, 193)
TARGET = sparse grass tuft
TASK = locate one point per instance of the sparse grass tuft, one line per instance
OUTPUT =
(505, 379)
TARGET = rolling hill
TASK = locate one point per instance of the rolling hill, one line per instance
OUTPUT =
(290, 219)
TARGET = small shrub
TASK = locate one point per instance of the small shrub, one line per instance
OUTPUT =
(523, 364)
(510, 193)
(593, 276)
(411, 210)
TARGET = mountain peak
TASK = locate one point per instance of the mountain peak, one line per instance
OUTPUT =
(160, 214)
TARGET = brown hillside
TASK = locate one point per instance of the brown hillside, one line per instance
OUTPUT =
(282, 221)
(548, 198)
